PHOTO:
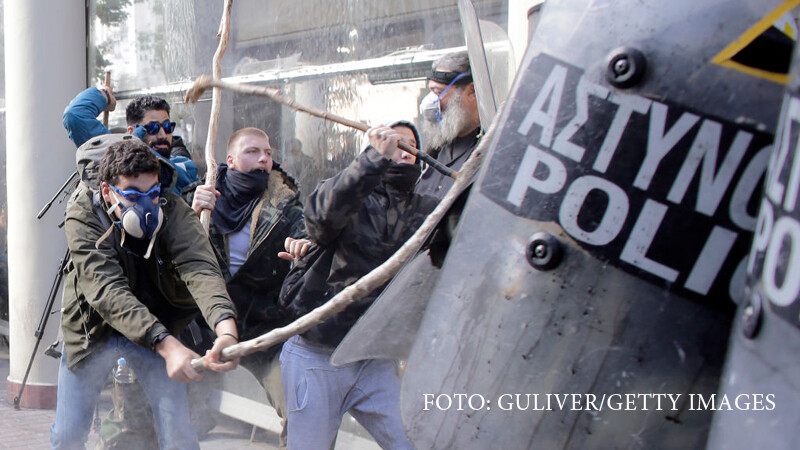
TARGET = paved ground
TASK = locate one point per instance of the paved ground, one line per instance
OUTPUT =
(30, 428)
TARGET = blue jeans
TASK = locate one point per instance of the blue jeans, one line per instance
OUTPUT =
(79, 388)
(318, 394)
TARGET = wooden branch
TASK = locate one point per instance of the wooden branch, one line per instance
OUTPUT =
(368, 282)
(204, 82)
(216, 102)
(105, 113)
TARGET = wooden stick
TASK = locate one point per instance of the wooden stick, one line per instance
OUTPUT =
(216, 103)
(105, 113)
(368, 282)
(204, 82)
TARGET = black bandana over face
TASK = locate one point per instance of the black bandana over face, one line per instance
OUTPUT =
(402, 176)
(241, 191)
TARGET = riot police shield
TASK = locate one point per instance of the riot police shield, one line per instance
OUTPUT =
(585, 301)
(396, 313)
(759, 394)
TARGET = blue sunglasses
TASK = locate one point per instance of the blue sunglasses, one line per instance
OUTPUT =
(133, 195)
(152, 127)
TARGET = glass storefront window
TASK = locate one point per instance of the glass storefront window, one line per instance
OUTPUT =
(364, 60)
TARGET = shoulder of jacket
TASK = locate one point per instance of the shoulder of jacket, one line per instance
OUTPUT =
(280, 187)
(80, 202)
(172, 203)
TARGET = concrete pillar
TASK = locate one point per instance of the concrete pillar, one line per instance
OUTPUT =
(45, 62)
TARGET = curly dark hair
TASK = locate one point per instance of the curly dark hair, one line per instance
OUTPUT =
(127, 158)
(134, 113)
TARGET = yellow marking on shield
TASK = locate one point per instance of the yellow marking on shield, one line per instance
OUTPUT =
(725, 57)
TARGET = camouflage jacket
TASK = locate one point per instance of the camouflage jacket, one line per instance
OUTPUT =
(359, 221)
(256, 285)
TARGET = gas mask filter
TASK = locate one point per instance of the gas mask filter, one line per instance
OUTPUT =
(141, 219)
(430, 108)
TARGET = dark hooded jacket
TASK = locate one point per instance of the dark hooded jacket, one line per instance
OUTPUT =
(453, 155)
(358, 219)
(178, 148)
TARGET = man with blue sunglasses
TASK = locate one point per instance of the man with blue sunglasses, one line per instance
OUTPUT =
(147, 118)
(451, 127)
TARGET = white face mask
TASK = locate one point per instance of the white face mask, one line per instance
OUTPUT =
(430, 108)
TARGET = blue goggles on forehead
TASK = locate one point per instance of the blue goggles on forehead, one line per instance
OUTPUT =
(450, 78)
(152, 127)
(133, 195)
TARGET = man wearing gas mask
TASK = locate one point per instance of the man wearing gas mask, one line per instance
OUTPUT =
(451, 127)
(147, 118)
(141, 267)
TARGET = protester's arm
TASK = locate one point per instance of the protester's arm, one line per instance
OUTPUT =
(190, 250)
(383, 139)
(227, 335)
(296, 242)
(295, 248)
(332, 204)
(178, 359)
(205, 197)
(80, 116)
(186, 171)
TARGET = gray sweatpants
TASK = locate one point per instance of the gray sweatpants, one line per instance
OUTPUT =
(318, 394)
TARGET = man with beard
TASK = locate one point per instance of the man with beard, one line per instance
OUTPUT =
(451, 127)
(357, 219)
(256, 216)
(147, 118)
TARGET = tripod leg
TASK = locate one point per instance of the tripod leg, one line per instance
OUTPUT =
(43, 324)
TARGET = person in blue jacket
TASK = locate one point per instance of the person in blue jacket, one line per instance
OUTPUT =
(147, 118)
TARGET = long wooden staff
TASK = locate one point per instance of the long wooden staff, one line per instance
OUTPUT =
(204, 82)
(368, 282)
(105, 113)
(216, 101)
